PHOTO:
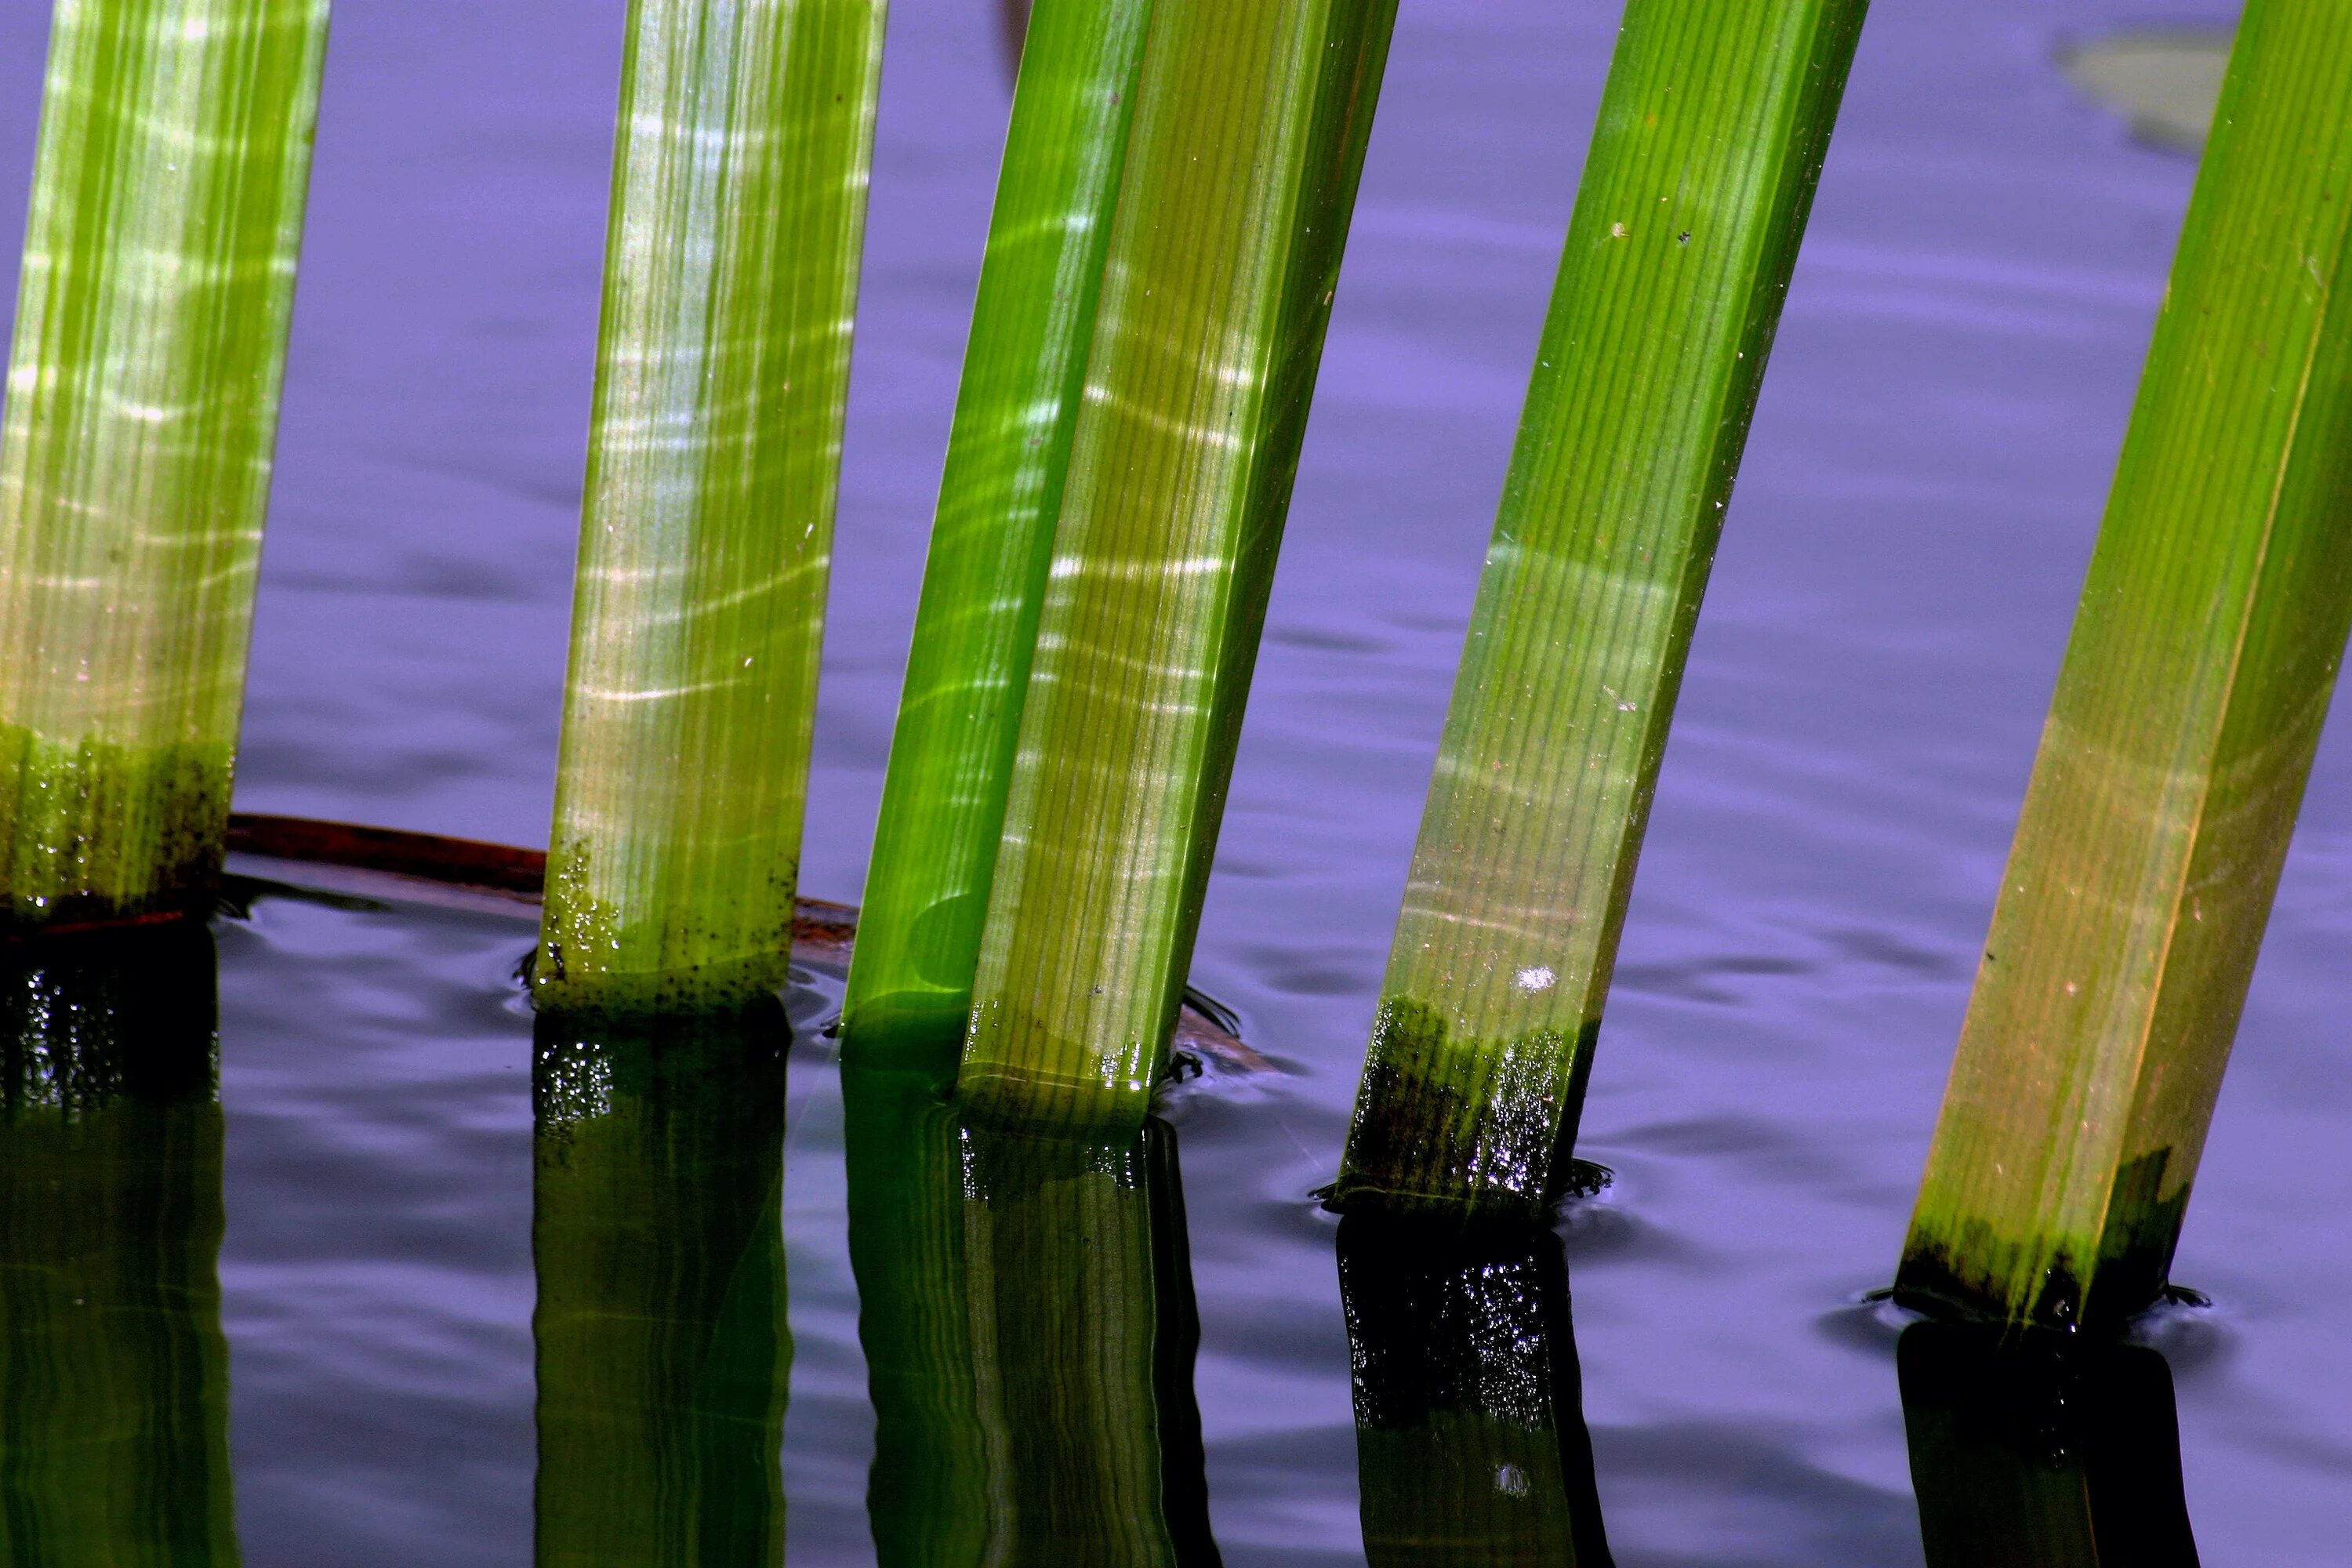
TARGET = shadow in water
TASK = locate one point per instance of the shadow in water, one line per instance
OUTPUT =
(1027, 1316)
(2042, 1456)
(1470, 1441)
(663, 1350)
(1012, 28)
(113, 1372)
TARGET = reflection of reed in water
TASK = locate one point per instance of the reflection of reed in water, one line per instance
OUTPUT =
(1026, 1313)
(2043, 1457)
(657, 1233)
(1013, 25)
(114, 1372)
(1470, 1441)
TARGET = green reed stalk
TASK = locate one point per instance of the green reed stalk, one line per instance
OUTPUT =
(2038, 1457)
(1470, 1437)
(1008, 456)
(135, 454)
(738, 209)
(1029, 1332)
(2187, 712)
(657, 1236)
(113, 1372)
(1240, 176)
(1710, 140)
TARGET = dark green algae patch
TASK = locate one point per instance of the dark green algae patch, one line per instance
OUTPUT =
(1479, 1135)
(674, 955)
(1449, 1125)
(2048, 1287)
(98, 833)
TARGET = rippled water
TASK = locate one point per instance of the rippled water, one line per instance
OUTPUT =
(1923, 482)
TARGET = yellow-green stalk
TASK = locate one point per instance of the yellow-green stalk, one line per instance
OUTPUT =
(2180, 739)
(1709, 143)
(1008, 454)
(738, 209)
(136, 451)
(1241, 172)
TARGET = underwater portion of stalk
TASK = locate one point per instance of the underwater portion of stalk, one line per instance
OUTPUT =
(2056, 1455)
(113, 1370)
(657, 1238)
(1470, 1438)
(2182, 731)
(1008, 454)
(1028, 1323)
(1240, 178)
(738, 209)
(1710, 140)
(136, 451)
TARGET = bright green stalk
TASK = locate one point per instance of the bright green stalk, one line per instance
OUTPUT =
(2178, 742)
(114, 1372)
(1008, 454)
(134, 459)
(738, 207)
(1029, 1331)
(2043, 1457)
(663, 1350)
(1710, 140)
(1470, 1439)
(1240, 178)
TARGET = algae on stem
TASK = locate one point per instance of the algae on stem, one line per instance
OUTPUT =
(137, 443)
(730, 286)
(1710, 140)
(2187, 710)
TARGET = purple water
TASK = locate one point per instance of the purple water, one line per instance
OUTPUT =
(1921, 489)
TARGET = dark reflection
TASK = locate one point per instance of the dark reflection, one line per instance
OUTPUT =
(1012, 28)
(2042, 1456)
(1026, 1312)
(656, 1230)
(1470, 1439)
(114, 1372)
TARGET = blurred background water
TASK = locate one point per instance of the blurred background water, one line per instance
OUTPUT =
(1921, 491)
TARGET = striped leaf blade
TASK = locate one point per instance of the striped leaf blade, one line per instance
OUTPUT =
(951, 766)
(2187, 711)
(1710, 140)
(135, 454)
(738, 207)
(1240, 176)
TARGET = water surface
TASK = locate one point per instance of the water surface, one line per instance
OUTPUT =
(1922, 487)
